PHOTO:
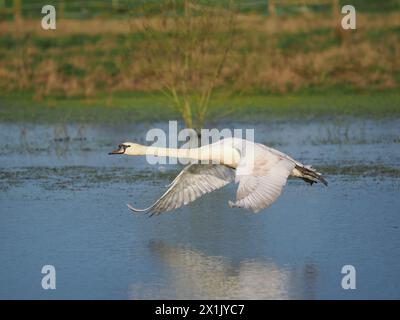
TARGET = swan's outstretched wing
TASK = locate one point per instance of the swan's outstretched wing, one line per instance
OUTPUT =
(192, 182)
(264, 184)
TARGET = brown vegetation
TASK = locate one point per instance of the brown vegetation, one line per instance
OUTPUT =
(268, 55)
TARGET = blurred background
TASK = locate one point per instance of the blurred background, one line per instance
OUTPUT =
(199, 56)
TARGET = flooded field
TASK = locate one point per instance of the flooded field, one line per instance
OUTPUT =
(63, 203)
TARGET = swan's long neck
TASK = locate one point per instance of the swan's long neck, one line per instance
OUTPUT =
(205, 154)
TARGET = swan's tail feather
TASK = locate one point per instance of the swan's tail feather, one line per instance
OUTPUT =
(309, 174)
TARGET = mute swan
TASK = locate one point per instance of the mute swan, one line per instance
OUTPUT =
(260, 171)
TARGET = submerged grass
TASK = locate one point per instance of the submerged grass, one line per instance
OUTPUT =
(76, 177)
(81, 177)
(360, 170)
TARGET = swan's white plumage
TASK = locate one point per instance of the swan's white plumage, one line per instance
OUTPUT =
(260, 171)
(261, 189)
(191, 183)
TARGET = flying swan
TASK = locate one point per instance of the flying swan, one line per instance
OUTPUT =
(260, 171)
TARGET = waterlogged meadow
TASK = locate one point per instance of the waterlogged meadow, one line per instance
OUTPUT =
(63, 202)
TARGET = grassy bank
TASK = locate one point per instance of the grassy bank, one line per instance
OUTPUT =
(287, 54)
(145, 107)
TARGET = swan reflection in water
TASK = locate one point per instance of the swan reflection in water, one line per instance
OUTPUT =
(193, 275)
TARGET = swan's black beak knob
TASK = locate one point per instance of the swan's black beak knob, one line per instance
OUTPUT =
(121, 150)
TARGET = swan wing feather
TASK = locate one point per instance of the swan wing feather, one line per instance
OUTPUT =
(263, 185)
(191, 183)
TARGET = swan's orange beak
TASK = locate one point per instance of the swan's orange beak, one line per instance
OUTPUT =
(120, 150)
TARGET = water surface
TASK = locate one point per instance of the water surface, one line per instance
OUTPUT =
(63, 202)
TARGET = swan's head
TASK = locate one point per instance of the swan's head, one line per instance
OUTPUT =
(128, 148)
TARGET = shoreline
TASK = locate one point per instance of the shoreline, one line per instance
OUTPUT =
(150, 107)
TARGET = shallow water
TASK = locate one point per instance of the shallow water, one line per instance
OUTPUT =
(63, 203)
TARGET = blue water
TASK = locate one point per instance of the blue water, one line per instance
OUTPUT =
(63, 203)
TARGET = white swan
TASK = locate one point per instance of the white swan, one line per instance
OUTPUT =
(260, 171)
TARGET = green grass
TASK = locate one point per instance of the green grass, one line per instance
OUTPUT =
(145, 107)
(86, 9)
(300, 57)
